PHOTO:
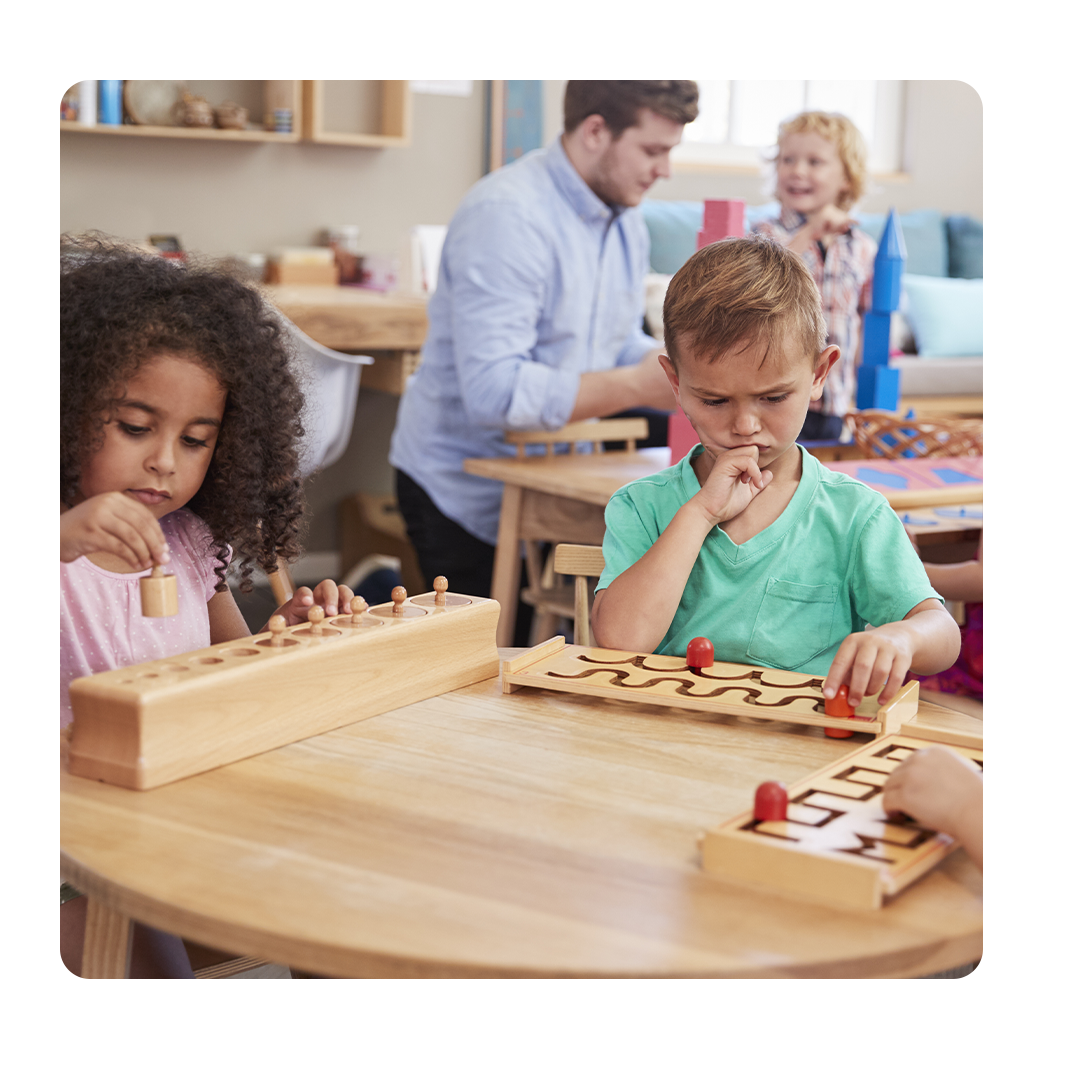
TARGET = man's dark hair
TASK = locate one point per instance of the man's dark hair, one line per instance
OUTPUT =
(620, 101)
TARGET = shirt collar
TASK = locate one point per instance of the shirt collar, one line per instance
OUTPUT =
(791, 219)
(584, 201)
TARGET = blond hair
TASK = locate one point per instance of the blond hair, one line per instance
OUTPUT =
(849, 143)
(741, 292)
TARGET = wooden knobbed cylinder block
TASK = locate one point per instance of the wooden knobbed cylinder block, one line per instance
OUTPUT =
(158, 594)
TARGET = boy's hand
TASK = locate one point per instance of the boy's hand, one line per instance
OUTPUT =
(114, 523)
(332, 598)
(829, 221)
(936, 787)
(734, 481)
(874, 661)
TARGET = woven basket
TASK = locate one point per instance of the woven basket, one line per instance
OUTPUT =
(885, 434)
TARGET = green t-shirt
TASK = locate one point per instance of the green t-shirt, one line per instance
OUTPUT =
(836, 559)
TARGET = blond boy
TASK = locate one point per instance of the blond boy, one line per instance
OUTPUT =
(749, 541)
(821, 173)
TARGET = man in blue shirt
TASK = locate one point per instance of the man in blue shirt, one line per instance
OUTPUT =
(537, 317)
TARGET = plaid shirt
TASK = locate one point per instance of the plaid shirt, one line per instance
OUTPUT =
(845, 276)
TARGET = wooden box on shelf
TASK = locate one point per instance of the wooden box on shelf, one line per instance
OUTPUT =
(357, 112)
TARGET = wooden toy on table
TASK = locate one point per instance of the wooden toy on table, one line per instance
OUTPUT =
(151, 723)
(157, 593)
(728, 689)
(834, 842)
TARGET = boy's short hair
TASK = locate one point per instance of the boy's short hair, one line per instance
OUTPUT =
(849, 143)
(739, 292)
(620, 101)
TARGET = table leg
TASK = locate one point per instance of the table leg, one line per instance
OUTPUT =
(107, 945)
(506, 575)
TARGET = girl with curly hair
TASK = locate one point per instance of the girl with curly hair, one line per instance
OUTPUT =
(179, 441)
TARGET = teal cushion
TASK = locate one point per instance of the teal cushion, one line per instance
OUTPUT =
(945, 314)
(673, 228)
(965, 246)
(925, 239)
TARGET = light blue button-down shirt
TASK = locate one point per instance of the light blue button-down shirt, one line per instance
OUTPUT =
(539, 281)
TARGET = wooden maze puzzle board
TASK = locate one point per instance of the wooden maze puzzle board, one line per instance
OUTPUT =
(730, 689)
(151, 723)
(836, 844)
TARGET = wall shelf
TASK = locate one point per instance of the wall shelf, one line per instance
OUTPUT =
(357, 113)
(374, 113)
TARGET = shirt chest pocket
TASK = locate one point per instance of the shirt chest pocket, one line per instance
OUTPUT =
(794, 623)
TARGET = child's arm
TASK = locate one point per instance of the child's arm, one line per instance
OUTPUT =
(636, 609)
(829, 221)
(958, 581)
(926, 641)
(942, 791)
(116, 524)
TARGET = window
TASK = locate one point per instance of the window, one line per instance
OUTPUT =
(739, 118)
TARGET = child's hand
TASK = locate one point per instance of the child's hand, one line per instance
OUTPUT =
(332, 598)
(874, 661)
(114, 523)
(938, 788)
(829, 221)
(734, 481)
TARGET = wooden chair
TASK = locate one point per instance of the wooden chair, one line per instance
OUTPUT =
(879, 433)
(550, 599)
(582, 562)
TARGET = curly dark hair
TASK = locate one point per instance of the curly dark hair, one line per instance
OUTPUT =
(120, 306)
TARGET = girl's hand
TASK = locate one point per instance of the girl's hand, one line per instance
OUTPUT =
(332, 598)
(734, 481)
(113, 523)
(872, 662)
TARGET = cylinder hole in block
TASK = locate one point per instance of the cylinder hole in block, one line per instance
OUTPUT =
(266, 643)
(348, 624)
(207, 660)
(239, 652)
(172, 669)
(322, 634)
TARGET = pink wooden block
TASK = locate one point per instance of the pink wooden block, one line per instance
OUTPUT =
(682, 438)
(721, 218)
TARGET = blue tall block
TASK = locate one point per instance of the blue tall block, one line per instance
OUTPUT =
(878, 385)
(876, 338)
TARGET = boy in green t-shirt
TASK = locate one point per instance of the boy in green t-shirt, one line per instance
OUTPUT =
(749, 541)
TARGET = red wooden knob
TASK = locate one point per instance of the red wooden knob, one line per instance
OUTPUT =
(770, 801)
(699, 654)
(838, 706)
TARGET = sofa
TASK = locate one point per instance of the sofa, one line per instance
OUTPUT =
(936, 336)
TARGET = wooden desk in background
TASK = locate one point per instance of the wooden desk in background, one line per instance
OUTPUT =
(478, 834)
(562, 498)
(389, 326)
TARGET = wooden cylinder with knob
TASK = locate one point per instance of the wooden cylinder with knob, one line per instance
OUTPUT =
(157, 593)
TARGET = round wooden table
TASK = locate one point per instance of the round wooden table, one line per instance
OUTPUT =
(479, 834)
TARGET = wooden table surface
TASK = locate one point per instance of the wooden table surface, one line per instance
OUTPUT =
(482, 834)
(351, 319)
